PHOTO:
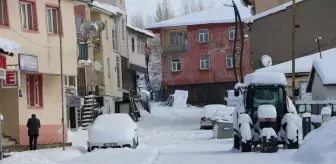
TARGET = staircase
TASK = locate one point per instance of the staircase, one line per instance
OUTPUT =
(87, 112)
(161, 96)
(6, 141)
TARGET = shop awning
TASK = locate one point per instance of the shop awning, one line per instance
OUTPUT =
(9, 47)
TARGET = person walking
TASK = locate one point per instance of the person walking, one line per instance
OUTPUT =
(33, 125)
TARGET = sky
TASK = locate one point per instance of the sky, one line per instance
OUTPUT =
(147, 7)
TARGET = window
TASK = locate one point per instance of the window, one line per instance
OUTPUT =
(140, 47)
(232, 31)
(203, 36)
(34, 85)
(176, 64)
(106, 30)
(115, 38)
(205, 62)
(229, 61)
(53, 20)
(118, 71)
(3, 13)
(65, 80)
(178, 38)
(133, 46)
(108, 67)
(72, 81)
(123, 29)
(28, 16)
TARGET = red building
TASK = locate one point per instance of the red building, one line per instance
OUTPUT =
(197, 54)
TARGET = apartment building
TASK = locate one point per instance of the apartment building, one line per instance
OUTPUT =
(34, 83)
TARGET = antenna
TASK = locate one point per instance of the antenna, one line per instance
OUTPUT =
(266, 60)
(91, 29)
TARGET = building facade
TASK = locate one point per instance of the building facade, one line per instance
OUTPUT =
(36, 27)
(271, 31)
(198, 58)
(138, 53)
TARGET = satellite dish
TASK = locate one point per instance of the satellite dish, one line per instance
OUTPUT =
(92, 29)
(266, 60)
(97, 66)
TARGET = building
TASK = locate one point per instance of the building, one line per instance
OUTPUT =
(198, 54)
(259, 6)
(34, 82)
(303, 69)
(103, 77)
(322, 80)
(271, 31)
(138, 53)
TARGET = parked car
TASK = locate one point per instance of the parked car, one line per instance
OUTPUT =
(116, 130)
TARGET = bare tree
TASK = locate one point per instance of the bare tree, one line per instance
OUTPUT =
(138, 21)
(149, 20)
(191, 6)
(164, 11)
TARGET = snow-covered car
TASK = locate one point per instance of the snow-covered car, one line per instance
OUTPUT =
(116, 130)
(214, 111)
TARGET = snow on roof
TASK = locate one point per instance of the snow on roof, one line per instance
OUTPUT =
(325, 68)
(222, 14)
(274, 10)
(108, 7)
(265, 78)
(146, 32)
(302, 65)
(9, 46)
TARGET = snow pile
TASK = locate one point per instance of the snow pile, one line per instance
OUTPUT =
(265, 78)
(9, 46)
(106, 129)
(78, 138)
(107, 7)
(146, 32)
(208, 112)
(326, 110)
(223, 14)
(180, 99)
(267, 111)
(302, 65)
(319, 146)
(44, 156)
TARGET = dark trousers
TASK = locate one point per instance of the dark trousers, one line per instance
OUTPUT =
(33, 142)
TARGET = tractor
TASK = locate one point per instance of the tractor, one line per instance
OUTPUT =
(264, 116)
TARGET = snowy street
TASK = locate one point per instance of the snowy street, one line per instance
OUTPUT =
(166, 136)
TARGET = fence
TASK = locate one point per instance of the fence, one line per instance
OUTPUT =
(316, 106)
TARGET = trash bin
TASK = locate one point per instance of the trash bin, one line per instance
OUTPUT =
(223, 129)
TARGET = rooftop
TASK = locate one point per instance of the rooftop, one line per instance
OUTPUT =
(223, 14)
(107, 7)
(146, 32)
(302, 65)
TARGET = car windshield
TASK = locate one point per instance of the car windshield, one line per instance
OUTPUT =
(269, 95)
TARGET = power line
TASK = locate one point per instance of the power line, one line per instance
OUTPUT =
(145, 12)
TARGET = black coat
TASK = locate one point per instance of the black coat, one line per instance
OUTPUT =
(33, 125)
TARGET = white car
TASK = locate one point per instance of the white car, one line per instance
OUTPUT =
(116, 130)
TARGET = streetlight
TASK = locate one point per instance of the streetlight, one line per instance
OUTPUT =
(318, 44)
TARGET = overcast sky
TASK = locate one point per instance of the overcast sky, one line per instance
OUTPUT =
(147, 7)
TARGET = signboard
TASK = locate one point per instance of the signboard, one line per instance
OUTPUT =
(74, 101)
(12, 79)
(28, 63)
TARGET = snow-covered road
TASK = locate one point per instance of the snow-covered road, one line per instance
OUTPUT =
(167, 136)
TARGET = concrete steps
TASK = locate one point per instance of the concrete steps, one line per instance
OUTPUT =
(6, 141)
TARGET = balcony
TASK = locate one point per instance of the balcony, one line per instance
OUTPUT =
(177, 48)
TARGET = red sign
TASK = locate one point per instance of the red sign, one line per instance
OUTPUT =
(12, 80)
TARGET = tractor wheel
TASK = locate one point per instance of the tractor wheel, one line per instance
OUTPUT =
(245, 146)
(236, 141)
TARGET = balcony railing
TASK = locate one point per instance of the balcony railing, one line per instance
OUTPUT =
(177, 48)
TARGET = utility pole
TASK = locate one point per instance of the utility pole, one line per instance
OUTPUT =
(60, 31)
(293, 51)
